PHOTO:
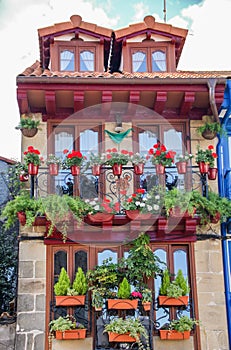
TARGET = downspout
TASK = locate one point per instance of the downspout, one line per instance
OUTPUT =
(212, 85)
(223, 185)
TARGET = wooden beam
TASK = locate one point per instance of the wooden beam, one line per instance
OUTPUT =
(22, 101)
(50, 102)
(106, 101)
(186, 105)
(161, 99)
(134, 99)
(78, 100)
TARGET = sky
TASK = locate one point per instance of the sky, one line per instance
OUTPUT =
(207, 45)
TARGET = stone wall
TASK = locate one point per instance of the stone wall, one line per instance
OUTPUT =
(30, 332)
(7, 336)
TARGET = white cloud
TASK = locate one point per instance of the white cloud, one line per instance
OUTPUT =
(141, 10)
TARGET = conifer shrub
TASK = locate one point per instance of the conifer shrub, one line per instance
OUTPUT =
(165, 282)
(124, 290)
(63, 284)
(80, 283)
(182, 282)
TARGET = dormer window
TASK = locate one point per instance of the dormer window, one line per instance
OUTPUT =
(139, 62)
(87, 60)
(77, 58)
(148, 60)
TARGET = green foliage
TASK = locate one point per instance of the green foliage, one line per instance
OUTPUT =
(61, 287)
(97, 297)
(104, 276)
(80, 282)
(64, 324)
(141, 262)
(124, 290)
(133, 326)
(27, 123)
(213, 127)
(178, 287)
(184, 323)
(165, 282)
(146, 295)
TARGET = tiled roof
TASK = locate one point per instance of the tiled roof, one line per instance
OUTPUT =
(36, 71)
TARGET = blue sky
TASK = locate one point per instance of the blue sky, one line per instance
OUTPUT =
(206, 47)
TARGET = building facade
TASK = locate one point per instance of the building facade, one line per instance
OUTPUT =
(95, 89)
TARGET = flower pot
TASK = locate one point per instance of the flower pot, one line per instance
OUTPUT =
(29, 132)
(169, 301)
(181, 167)
(138, 168)
(54, 169)
(21, 217)
(215, 219)
(33, 169)
(136, 215)
(71, 334)
(122, 304)
(100, 217)
(23, 177)
(75, 170)
(96, 169)
(147, 305)
(70, 300)
(117, 169)
(208, 134)
(122, 338)
(173, 335)
(160, 169)
(212, 173)
(203, 167)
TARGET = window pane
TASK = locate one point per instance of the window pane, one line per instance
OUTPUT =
(106, 254)
(87, 61)
(180, 262)
(89, 141)
(81, 260)
(67, 62)
(158, 61)
(161, 315)
(139, 63)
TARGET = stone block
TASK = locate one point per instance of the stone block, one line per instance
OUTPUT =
(20, 343)
(29, 322)
(26, 269)
(35, 250)
(31, 286)
(39, 341)
(30, 341)
(7, 336)
(40, 302)
(25, 302)
(40, 269)
(80, 344)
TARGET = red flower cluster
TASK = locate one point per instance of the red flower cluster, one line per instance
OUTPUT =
(160, 155)
(73, 158)
(114, 156)
(136, 295)
(109, 207)
(32, 156)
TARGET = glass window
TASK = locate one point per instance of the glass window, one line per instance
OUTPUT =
(67, 60)
(158, 61)
(139, 62)
(87, 61)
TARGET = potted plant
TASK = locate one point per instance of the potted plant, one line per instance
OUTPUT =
(24, 208)
(127, 330)
(32, 160)
(28, 126)
(67, 328)
(173, 293)
(101, 211)
(65, 295)
(116, 159)
(73, 161)
(210, 128)
(178, 329)
(54, 164)
(182, 161)
(178, 203)
(142, 205)
(161, 157)
(123, 300)
(205, 158)
(97, 298)
(138, 162)
(95, 162)
(103, 276)
(146, 298)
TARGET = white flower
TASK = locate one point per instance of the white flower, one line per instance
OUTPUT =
(149, 207)
(148, 196)
(137, 203)
(156, 207)
(97, 207)
(157, 196)
(142, 205)
(93, 202)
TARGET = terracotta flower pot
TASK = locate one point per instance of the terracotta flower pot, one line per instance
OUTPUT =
(122, 304)
(21, 217)
(117, 169)
(181, 167)
(96, 169)
(173, 335)
(203, 167)
(160, 169)
(147, 306)
(71, 334)
(122, 338)
(53, 169)
(138, 168)
(136, 215)
(169, 301)
(23, 177)
(100, 217)
(70, 300)
(33, 169)
(212, 173)
(75, 170)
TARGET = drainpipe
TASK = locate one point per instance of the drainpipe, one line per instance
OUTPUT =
(224, 183)
(212, 85)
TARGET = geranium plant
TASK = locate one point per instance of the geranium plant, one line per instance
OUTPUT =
(137, 158)
(150, 202)
(32, 156)
(113, 156)
(53, 159)
(207, 156)
(102, 206)
(160, 155)
(184, 157)
(96, 159)
(73, 158)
